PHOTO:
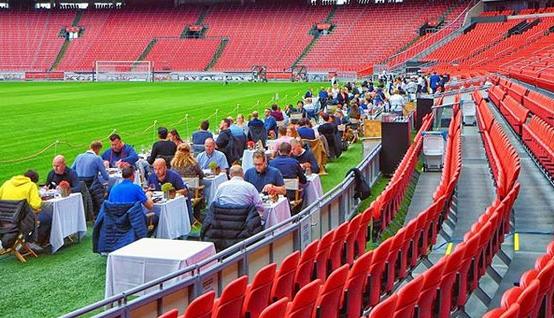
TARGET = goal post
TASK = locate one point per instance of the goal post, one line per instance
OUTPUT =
(140, 71)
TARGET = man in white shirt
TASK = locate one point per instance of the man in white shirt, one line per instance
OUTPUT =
(397, 103)
(238, 192)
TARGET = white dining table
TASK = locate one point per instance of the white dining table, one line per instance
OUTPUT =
(148, 259)
(68, 217)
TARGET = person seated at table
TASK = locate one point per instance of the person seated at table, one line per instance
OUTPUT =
(211, 155)
(270, 124)
(111, 230)
(61, 172)
(199, 137)
(265, 178)
(289, 167)
(304, 156)
(283, 137)
(237, 192)
(175, 137)
(24, 187)
(227, 143)
(89, 165)
(128, 192)
(163, 148)
(185, 164)
(256, 129)
(119, 154)
(235, 214)
(163, 175)
(304, 131)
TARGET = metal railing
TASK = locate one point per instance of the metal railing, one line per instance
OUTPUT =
(177, 289)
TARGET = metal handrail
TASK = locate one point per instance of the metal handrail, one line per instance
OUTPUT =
(222, 259)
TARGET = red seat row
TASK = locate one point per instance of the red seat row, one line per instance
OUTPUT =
(514, 112)
(445, 287)
(385, 207)
(538, 136)
(534, 297)
(537, 103)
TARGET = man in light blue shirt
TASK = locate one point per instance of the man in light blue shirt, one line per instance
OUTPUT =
(211, 155)
(89, 165)
(237, 192)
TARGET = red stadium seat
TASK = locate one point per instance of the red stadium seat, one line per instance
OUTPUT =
(258, 293)
(201, 307)
(351, 250)
(283, 285)
(339, 247)
(386, 308)
(231, 300)
(408, 297)
(352, 300)
(328, 302)
(303, 305)
(306, 265)
(170, 314)
(429, 294)
(276, 310)
(527, 300)
(377, 272)
(322, 259)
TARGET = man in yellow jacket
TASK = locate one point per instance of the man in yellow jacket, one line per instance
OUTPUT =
(22, 187)
(25, 187)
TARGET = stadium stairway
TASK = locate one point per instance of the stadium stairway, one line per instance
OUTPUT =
(533, 215)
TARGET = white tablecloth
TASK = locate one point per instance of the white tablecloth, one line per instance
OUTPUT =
(211, 184)
(68, 217)
(173, 218)
(314, 190)
(148, 259)
(275, 213)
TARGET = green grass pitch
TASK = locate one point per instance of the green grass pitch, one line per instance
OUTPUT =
(36, 115)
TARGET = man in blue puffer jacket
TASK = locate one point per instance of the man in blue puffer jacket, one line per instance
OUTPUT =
(121, 220)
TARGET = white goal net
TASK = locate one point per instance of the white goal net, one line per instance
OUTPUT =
(123, 71)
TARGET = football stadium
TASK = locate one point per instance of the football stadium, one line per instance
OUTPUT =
(277, 159)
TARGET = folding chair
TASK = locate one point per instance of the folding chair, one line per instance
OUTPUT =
(170, 314)
(197, 188)
(294, 185)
